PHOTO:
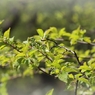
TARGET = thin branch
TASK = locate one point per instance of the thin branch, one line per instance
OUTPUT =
(81, 42)
(88, 57)
(46, 56)
(76, 87)
(14, 47)
(77, 58)
(67, 49)
(43, 70)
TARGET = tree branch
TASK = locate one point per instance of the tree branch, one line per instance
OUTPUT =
(76, 87)
(46, 56)
(14, 47)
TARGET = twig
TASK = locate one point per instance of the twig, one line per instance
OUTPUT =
(76, 87)
(14, 47)
(81, 42)
(77, 58)
(74, 53)
(43, 70)
(46, 56)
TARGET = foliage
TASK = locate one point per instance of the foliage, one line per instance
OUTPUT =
(53, 52)
(50, 92)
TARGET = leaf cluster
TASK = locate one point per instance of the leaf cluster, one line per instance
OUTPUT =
(52, 52)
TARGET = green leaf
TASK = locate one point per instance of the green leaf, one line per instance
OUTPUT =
(84, 80)
(40, 32)
(84, 67)
(71, 76)
(94, 41)
(7, 33)
(32, 52)
(1, 47)
(20, 55)
(62, 32)
(87, 39)
(73, 41)
(53, 29)
(11, 39)
(63, 76)
(78, 75)
(3, 89)
(50, 92)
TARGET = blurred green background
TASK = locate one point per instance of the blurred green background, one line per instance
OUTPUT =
(26, 16)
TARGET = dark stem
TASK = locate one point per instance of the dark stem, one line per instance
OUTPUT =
(76, 87)
(77, 58)
(46, 56)
(12, 46)
(43, 71)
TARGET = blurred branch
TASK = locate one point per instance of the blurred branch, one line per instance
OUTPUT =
(81, 42)
(46, 56)
(11, 78)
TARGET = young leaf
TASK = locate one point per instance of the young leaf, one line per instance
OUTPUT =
(40, 32)
(7, 33)
(84, 80)
(20, 55)
(50, 92)
(63, 76)
(71, 76)
(87, 39)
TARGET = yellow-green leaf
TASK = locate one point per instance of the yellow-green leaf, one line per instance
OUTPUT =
(40, 32)
(87, 39)
(63, 76)
(71, 76)
(7, 33)
(1, 21)
(20, 55)
(50, 92)
(84, 67)
(84, 80)
(94, 41)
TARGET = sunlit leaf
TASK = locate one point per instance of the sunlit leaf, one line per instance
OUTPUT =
(78, 75)
(87, 39)
(53, 29)
(7, 33)
(40, 32)
(71, 76)
(20, 55)
(84, 67)
(50, 92)
(94, 41)
(1, 47)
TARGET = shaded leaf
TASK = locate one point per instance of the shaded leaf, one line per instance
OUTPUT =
(84, 80)
(63, 76)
